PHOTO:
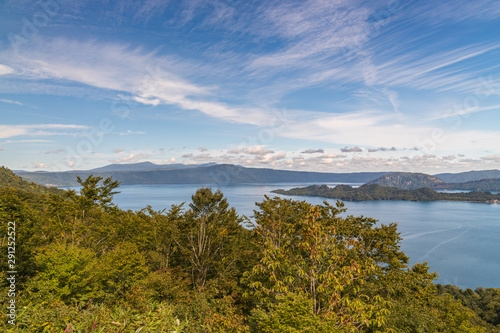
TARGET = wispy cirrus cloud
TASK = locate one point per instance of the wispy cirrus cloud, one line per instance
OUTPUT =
(57, 151)
(8, 131)
(358, 46)
(28, 141)
(147, 77)
(314, 37)
(457, 11)
(466, 111)
(9, 101)
(421, 70)
(130, 132)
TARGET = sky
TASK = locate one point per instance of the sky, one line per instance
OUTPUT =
(315, 85)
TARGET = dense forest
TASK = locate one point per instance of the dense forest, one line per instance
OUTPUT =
(83, 265)
(408, 180)
(377, 192)
(8, 179)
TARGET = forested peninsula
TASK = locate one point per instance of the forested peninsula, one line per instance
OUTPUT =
(370, 192)
(84, 265)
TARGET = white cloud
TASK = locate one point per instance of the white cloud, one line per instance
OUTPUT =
(377, 128)
(4, 69)
(495, 157)
(458, 10)
(57, 151)
(130, 132)
(8, 131)
(28, 141)
(373, 150)
(351, 149)
(131, 158)
(435, 71)
(251, 150)
(313, 151)
(314, 30)
(149, 79)
(10, 101)
(465, 111)
(38, 165)
(118, 150)
(147, 101)
(449, 157)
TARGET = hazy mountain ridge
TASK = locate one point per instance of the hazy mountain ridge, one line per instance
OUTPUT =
(412, 181)
(213, 174)
(468, 176)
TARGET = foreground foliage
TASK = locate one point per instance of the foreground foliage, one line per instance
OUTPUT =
(86, 266)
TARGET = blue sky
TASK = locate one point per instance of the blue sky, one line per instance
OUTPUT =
(337, 86)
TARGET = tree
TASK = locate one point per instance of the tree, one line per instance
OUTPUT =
(159, 241)
(65, 272)
(91, 193)
(206, 236)
(310, 251)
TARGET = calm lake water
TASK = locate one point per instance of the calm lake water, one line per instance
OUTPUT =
(460, 240)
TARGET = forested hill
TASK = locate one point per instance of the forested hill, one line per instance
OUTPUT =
(214, 174)
(377, 192)
(10, 179)
(407, 180)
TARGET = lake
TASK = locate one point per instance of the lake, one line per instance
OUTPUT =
(460, 240)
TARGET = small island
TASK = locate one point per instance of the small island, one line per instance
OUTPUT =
(369, 192)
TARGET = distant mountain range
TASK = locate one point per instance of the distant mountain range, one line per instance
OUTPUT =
(149, 173)
(468, 176)
(212, 173)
